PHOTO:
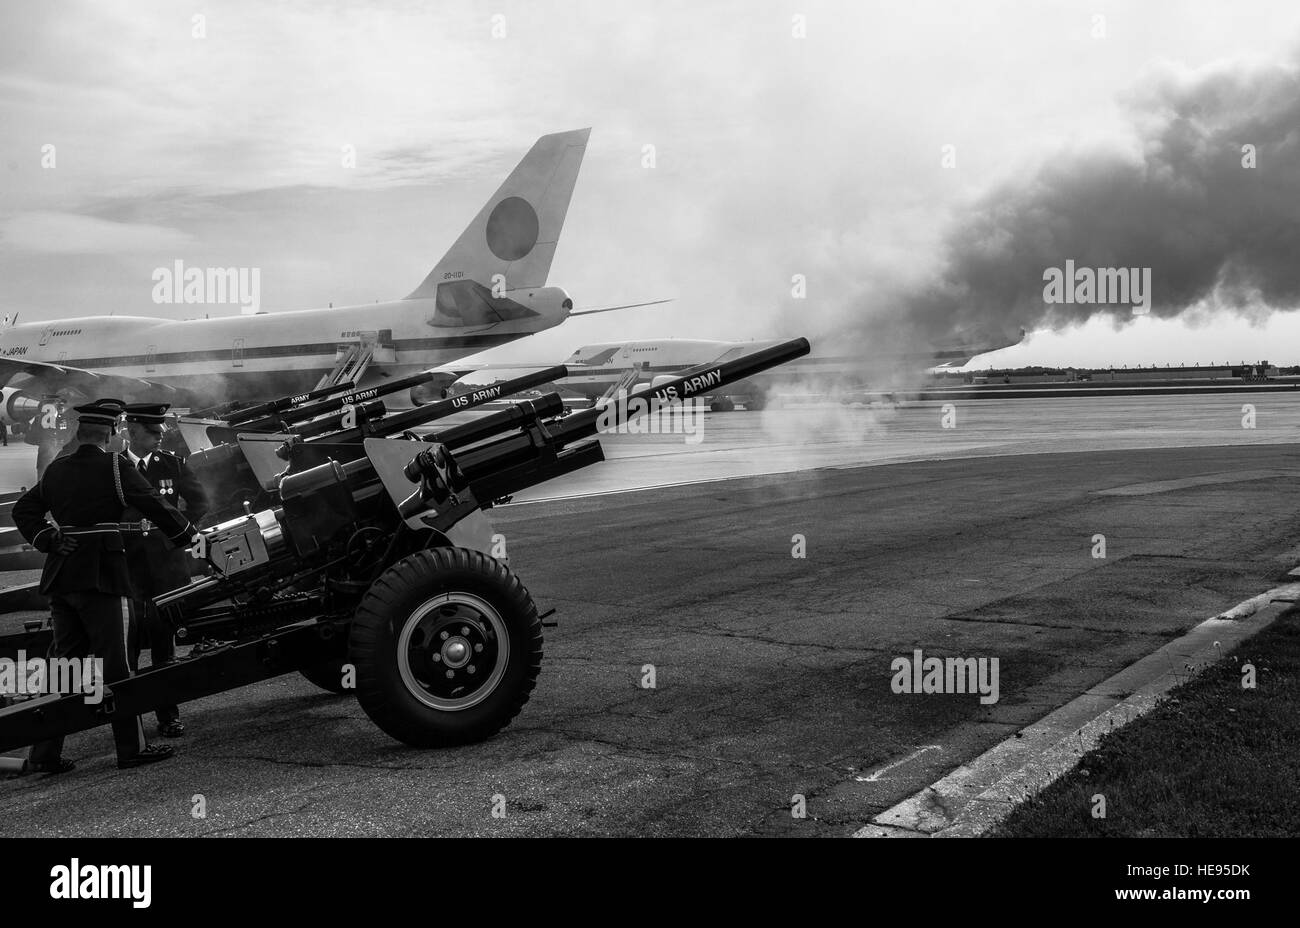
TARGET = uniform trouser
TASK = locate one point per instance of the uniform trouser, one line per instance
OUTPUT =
(147, 626)
(89, 624)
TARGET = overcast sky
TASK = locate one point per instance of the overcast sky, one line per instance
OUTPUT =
(775, 155)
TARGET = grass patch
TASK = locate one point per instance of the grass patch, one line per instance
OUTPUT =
(1214, 759)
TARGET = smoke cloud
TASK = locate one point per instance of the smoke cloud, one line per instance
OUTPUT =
(1208, 199)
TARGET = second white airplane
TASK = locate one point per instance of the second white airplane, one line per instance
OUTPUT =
(598, 372)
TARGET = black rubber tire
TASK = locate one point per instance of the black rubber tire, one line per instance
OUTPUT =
(394, 599)
(328, 675)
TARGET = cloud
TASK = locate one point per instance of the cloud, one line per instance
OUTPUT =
(44, 232)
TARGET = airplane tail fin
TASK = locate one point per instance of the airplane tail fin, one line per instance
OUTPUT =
(515, 233)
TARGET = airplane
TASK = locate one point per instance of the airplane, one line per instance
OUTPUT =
(490, 288)
(599, 371)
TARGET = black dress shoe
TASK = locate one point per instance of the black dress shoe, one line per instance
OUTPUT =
(173, 729)
(150, 755)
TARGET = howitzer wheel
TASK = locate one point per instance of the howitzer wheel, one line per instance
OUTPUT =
(447, 645)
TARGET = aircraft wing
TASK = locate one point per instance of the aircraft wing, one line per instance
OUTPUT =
(961, 354)
(448, 375)
(55, 377)
(458, 371)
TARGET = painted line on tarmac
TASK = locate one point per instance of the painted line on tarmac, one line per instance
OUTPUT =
(978, 795)
(875, 777)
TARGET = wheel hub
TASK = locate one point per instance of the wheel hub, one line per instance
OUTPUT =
(456, 652)
(452, 651)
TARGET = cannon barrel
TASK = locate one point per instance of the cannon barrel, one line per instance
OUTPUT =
(302, 413)
(485, 461)
(364, 412)
(521, 413)
(392, 386)
(698, 381)
(284, 421)
(400, 422)
(262, 410)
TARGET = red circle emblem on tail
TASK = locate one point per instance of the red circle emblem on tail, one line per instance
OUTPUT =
(512, 229)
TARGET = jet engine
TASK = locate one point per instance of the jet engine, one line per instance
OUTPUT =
(17, 407)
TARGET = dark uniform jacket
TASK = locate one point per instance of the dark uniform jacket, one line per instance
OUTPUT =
(48, 425)
(80, 490)
(155, 565)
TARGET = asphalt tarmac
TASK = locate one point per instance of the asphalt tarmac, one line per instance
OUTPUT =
(772, 673)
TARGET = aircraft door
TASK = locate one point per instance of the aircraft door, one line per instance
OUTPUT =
(237, 353)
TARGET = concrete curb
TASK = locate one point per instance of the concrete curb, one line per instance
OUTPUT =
(978, 795)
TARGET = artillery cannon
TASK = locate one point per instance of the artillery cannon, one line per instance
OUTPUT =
(235, 413)
(220, 425)
(370, 570)
(241, 469)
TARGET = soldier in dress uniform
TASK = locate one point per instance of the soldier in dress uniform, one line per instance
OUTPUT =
(85, 574)
(116, 443)
(156, 567)
(48, 431)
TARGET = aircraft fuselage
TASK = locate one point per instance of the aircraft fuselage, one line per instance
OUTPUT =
(255, 356)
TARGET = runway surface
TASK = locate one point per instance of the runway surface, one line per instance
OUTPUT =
(740, 443)
(772, 672)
